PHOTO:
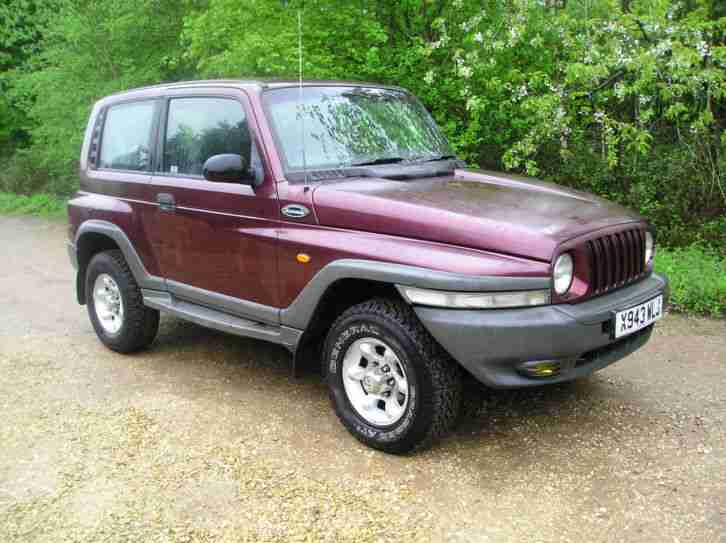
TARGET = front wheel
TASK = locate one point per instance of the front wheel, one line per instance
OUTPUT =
(115, 305)
(393, 387)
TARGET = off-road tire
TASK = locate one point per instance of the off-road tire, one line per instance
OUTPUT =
(435, 379)
(140, 323)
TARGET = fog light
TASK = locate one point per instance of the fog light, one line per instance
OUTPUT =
(541, 368)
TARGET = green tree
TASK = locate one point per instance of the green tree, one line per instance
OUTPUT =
(93, 48)
(22, 26)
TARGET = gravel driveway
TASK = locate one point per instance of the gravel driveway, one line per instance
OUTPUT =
(207, 437)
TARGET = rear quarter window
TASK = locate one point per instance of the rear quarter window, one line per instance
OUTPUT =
(127, 137)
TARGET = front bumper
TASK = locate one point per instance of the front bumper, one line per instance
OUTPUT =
(72, 254)
(491, 344)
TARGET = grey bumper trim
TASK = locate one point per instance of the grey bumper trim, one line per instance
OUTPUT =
(491, 343)
(143, 277)
(72, 254)
(222, 302)
(212, 318)
(299, 313)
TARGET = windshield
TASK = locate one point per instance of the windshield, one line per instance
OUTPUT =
(349, 126)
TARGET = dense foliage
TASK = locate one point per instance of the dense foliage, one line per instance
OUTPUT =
(625, 98)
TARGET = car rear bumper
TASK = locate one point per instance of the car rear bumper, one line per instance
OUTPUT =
(493, 344)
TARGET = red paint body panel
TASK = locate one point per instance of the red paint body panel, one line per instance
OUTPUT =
(325, 245)
(469, 209)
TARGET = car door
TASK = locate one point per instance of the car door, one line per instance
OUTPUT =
(215, 241)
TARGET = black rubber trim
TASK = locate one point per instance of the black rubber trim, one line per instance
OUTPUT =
(142, 277)
(299, 313)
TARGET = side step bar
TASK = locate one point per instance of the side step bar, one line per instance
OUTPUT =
(224, 322)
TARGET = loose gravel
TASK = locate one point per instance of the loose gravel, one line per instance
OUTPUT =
(207, 437)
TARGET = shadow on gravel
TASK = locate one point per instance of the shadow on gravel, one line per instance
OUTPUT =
(487, 416)
(549, 402)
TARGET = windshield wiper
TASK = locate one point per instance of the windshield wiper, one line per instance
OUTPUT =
(436, 158)
(382, 160)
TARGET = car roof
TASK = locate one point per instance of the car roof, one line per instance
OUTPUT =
(258, 84)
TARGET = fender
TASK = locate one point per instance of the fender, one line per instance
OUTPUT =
(110, 230)
(300, 312)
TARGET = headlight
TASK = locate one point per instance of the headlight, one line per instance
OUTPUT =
(562, 274)
(474, 300)
(649, 248)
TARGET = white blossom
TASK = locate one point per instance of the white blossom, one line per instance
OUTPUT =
(473, 103)
(703, 49)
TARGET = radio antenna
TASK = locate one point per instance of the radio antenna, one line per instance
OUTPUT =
(300, 93)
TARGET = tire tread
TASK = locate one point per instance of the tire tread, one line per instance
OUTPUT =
(142, 323)
(445, 373)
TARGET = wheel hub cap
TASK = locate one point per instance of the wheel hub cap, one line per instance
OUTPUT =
(108, 303)
(375, 382)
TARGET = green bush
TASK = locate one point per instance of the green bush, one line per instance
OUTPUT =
(697, 277)
(37, 204)
(22, 175)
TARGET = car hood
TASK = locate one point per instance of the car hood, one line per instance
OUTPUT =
(471, 208)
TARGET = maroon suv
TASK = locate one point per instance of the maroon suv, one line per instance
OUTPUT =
(333, 218)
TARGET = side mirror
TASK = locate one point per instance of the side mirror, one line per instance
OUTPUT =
(228, 168)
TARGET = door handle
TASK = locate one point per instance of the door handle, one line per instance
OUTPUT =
(166, 201)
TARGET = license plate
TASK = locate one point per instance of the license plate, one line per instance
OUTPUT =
(638, 317)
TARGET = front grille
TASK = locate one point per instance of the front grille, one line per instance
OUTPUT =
(616, 259)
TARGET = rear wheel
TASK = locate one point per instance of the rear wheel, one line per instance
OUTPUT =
(115, 304)
(393, 387)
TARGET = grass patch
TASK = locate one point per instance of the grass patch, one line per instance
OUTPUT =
(697, 277)
(45, 205)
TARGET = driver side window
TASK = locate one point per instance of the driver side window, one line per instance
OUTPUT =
(198, 128)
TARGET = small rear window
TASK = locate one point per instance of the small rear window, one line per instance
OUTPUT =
(127, 139)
